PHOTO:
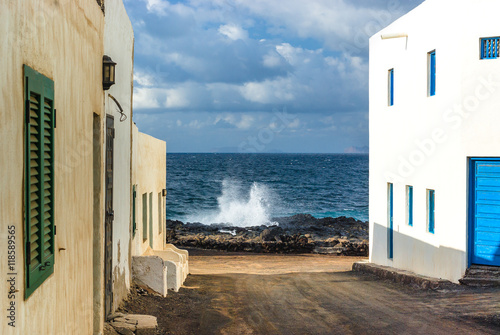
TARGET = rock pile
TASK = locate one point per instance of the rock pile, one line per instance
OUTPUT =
(130, 324)
(301, 233)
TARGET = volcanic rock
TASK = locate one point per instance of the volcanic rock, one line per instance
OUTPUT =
(301, 233)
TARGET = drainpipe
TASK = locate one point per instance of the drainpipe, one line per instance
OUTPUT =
(396, 35)
(387, 36)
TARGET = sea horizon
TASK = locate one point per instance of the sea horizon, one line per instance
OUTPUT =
(249, 189)
(273, 153)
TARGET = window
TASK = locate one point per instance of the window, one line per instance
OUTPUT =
(39, 179)
(409, 205)
(489, 47)
(432, 73)
(390, 220)
(430, 211)
(144, 217)
(391, 87)
(151, 220)
(160, 207)
(134, 222)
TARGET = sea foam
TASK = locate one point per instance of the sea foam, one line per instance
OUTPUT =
(239, 206)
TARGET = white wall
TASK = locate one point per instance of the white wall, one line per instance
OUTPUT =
(426, 141)
(119, 45)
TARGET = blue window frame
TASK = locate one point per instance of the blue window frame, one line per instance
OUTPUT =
(431, 206)
(409, 205)
(490, 47)
(390, 220)
(432, 73)
(391, 87)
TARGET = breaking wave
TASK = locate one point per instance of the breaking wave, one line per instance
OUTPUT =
(239, 206)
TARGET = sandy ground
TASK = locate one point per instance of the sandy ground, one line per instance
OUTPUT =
(206, 262)
(238, 293)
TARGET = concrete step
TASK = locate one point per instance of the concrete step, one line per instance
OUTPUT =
(480, 282)
(482, 276)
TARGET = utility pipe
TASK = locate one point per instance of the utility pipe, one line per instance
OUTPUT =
(387, 36)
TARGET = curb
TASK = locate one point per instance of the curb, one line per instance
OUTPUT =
(400, 276)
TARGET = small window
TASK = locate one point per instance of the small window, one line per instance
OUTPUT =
(144, 217)
(390, 220)
(432, 73)
(134, 221)
(409, 205)
(489, 47)
(431, 207)
(39, 179)
(160, 213)
(391, 87)
(151, 220)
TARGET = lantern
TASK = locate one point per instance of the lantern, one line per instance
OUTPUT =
(108, 72)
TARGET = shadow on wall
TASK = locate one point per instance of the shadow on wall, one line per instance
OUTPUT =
(491, 257)
(417, 256)
(497, 254)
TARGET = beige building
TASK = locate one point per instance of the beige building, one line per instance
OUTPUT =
(66, 202)
(51, 103)
(149, 178)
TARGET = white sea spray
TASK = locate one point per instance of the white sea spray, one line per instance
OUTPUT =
(240, 206)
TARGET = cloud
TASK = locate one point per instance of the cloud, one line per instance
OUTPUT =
(145, 98)
(225, 65)
(143, 79)
(272, 59)
(277, 91)
(233, 32)
(164, 8)
(340, 25)
(176, 98)
(203, 131)
(240, 121)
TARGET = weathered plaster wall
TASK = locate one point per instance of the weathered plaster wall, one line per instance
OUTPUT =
(64, 41)
(119, 45)
(426, 141)
(149, 174)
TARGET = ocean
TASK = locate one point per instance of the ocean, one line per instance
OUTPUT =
(250, 189)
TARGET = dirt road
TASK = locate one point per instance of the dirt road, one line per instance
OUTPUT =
(310, 294)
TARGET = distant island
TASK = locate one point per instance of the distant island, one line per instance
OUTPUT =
(357, 150)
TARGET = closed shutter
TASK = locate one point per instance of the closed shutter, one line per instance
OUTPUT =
(39, 179)
(485, 211)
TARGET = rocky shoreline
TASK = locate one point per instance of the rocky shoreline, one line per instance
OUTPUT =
(301, 233)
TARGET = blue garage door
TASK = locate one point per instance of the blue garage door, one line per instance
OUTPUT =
(485, 211)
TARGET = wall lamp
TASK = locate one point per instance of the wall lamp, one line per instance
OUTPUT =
(164, 192)
(108, 72)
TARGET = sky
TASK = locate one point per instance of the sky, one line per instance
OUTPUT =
(256, 75)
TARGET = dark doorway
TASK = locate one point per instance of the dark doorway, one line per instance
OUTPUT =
(109, 216)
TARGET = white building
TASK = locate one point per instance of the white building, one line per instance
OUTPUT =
(117, 161)
(435, 139)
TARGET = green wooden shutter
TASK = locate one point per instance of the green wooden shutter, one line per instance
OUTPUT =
(39, 179)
